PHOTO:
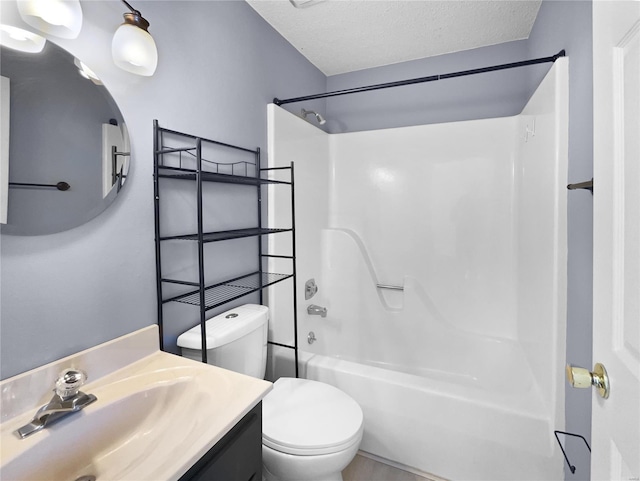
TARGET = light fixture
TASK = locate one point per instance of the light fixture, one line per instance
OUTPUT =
(86, 72)
(133, 48)
(19, 39)
(60, 18)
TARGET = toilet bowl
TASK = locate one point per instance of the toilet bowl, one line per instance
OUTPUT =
(310, 430)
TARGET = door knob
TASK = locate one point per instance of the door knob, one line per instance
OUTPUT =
(582, 378)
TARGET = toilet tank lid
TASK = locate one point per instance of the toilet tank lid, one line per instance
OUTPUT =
(226, 327)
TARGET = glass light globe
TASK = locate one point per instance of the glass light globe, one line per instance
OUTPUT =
(134, 50)
(61, 18)
(19, 39)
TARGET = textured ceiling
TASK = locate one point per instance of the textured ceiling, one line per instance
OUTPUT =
(340, 36)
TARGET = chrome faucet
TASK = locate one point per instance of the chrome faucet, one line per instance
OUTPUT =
(67, 399)
(314, 310)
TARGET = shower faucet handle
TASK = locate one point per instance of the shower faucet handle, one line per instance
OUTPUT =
(310, 289)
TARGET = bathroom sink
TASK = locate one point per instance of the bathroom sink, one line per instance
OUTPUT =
(152, 420)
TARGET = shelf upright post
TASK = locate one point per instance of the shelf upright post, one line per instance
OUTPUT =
(156, 208)
(293, 254)
(259, 187)
(203, 307)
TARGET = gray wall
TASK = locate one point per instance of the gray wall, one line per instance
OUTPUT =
(488, 95)
(560, 25)
(219, 66)
(567, 24)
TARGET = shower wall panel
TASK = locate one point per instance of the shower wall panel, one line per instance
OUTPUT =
(541, 179)
(292, 139)
(435, 203)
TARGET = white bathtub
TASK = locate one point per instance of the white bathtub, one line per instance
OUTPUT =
(459, 427)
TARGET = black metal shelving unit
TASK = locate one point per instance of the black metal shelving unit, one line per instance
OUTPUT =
(200, 170)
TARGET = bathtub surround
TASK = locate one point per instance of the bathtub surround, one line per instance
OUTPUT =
(559, 25)
(469, 219)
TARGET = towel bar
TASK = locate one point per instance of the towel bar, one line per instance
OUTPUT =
(588, 185)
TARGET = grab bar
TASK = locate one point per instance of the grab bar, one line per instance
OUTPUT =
(387, 286)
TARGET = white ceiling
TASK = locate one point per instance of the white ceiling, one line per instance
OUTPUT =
(340, 36)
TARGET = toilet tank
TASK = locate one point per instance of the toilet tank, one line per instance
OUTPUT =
(236, 340)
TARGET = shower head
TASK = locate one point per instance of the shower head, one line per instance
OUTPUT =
(319, 118)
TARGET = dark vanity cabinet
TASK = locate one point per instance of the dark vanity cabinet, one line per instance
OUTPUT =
(236, 457)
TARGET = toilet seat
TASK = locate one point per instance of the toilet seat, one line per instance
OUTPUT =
(307, 418)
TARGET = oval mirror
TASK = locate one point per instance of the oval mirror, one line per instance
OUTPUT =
(68, 149)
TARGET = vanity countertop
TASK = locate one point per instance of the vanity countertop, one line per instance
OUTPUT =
(155, 416)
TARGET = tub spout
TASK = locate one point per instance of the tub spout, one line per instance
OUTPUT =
(314, 310)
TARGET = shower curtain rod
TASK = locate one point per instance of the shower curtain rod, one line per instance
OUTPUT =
(431, 78)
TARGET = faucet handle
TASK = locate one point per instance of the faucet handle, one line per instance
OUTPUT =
(69, 382)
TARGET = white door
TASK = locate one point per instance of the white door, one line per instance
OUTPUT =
(615, 421)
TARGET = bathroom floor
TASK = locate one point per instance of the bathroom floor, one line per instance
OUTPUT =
(367, 469)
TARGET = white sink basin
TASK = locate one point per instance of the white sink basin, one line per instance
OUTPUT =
(152, 420)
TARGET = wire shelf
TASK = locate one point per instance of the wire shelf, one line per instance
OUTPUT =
(224, 292)
(190, 174)
(227, 234)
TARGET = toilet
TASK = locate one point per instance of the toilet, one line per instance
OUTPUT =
(311, 430)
